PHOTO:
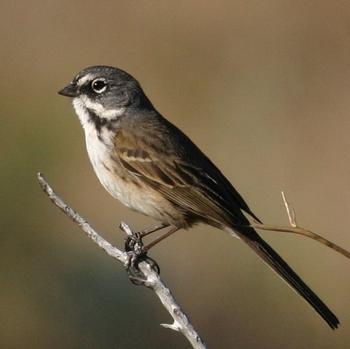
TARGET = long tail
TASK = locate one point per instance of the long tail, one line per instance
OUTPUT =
(272, 258)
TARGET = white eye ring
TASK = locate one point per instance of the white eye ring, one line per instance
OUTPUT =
(99, 85)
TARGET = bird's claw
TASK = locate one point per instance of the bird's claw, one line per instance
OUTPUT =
(133, 243)
(136, 252)
(136, 276)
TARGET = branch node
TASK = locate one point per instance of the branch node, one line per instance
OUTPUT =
(125, 228)
(175, 326)
(290, 211)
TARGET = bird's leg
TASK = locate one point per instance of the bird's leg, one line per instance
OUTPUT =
(151, 230)
(171, 231)
(134, 242)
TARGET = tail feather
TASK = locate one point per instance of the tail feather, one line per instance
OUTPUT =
(272, 258)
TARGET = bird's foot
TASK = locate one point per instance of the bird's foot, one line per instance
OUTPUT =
(136, 276)
(134, 243)
(137, 253)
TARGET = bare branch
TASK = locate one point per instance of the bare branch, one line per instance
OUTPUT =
(290, 211)
(152, 280)
(295, 229)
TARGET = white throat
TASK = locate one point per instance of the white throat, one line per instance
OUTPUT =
(99, 139)
(82, 103)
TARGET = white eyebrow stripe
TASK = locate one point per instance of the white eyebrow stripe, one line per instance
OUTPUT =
(84, 79)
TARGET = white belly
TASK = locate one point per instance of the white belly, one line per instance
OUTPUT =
(105, 167)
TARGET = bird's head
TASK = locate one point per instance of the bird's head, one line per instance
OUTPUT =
(105, 91)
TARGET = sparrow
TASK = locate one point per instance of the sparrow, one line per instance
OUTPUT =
(151, 166)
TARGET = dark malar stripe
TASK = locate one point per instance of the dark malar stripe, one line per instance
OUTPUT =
(100, 122)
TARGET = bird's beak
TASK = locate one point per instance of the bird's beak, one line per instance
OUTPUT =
(71, 90)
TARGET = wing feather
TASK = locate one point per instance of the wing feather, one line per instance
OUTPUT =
(185, 184)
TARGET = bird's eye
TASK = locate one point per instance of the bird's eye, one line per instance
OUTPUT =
(99, 85)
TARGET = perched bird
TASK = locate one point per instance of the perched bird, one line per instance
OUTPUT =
(151, 166)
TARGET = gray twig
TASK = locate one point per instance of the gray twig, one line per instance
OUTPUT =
(181, 322)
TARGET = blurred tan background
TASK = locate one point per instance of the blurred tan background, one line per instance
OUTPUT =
(262, 87)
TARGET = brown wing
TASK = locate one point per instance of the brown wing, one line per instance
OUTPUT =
(164, 167)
